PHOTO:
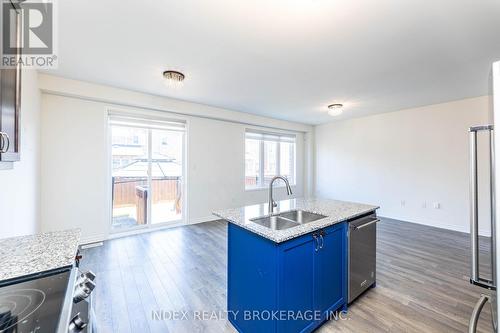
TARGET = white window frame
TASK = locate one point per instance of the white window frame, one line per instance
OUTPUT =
(150, 118)
(264, 136)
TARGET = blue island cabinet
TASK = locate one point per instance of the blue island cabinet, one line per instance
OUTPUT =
(289, 287)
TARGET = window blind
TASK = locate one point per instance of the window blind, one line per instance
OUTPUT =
(266, 136)
(146, 122)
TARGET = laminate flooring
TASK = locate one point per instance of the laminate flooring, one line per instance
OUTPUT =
(174, 280)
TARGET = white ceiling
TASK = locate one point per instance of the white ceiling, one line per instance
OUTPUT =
(286, 59)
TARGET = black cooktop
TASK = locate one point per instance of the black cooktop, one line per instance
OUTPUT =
(33, 306)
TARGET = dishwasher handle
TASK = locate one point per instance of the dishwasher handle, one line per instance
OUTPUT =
(364, 225)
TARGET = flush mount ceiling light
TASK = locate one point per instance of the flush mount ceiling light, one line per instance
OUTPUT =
(174, 78)
(335, 109)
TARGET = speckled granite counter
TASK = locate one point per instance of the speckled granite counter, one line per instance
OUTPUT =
(33, 254)
(334, 210)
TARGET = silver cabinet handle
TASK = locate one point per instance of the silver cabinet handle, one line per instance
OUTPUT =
(8, 142)
(316, 247)
(4, 142)
(476, 312)
(366, 224)
(321, 233)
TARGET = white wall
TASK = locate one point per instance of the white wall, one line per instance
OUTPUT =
(217, 168)
(74, 166)
(417, 155)
(19, 197)
(74, 163)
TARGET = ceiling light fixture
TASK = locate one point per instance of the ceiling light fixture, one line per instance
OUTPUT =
(174, 78)
(335, 109)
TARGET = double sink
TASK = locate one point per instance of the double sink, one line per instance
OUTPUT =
(287, 220)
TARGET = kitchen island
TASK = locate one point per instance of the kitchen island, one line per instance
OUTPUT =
(292, 278)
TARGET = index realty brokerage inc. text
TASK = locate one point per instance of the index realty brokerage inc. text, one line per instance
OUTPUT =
(248, 315)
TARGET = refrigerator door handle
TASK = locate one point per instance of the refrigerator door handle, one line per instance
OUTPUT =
(476, 312)
(492, 209)
(473, 206)
(475, 278)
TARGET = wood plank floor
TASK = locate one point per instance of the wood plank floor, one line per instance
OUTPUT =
(422, 282)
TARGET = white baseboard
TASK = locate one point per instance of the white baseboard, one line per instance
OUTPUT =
(90, 240)
(91, 245)
(145, 230)
(453, 227)
(203, 219)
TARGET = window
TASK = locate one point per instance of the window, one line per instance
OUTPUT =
(268, 155)
(147, 158)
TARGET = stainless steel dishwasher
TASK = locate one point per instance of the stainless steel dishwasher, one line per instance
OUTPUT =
(362, 254)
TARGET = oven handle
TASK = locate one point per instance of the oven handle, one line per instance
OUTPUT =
(365, 224)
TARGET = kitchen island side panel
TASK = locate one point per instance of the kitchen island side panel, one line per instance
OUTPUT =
(252, 271)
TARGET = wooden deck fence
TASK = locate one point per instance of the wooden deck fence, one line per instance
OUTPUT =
(124, 190)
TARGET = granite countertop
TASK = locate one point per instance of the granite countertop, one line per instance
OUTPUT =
(26, 255)
(334, 210)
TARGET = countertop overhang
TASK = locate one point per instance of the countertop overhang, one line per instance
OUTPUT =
(28, 255)
(335, 211)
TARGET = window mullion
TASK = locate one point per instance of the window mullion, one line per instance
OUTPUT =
(261, 163)
(278, 159)
(150, 177)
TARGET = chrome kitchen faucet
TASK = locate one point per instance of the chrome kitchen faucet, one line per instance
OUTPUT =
(273, 203)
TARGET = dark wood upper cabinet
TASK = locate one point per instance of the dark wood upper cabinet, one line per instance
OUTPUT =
(10, 109)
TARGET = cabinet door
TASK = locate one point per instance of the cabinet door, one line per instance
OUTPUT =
(330, 269)
(8, 110)
(10, 83)
(296, 283)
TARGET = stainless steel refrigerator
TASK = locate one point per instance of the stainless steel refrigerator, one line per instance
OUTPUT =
(488, 283)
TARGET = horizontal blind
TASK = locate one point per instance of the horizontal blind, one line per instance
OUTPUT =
(267, 136)
(147, 122)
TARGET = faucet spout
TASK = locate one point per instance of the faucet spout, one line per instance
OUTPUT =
(273, 203)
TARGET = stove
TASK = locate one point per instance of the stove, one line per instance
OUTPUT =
(54, 302)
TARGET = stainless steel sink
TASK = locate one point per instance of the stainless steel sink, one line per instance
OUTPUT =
(275, 222)
(287, 220)
(301, 216)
